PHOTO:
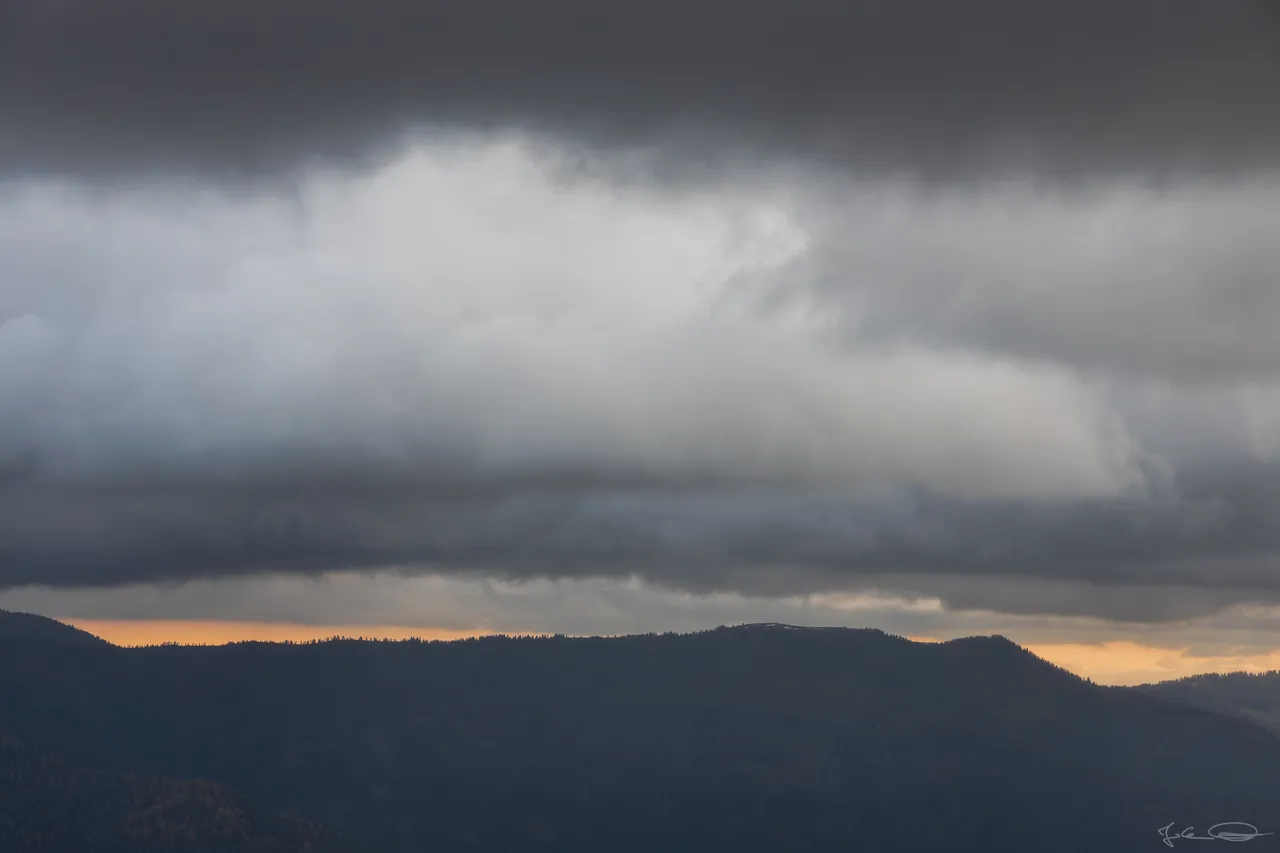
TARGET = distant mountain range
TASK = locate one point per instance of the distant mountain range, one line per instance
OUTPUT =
(758, 737)
(1254, 697)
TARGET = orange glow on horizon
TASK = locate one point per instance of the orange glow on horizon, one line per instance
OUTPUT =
(1116, 662)
(1120, 662)
(1126, 663)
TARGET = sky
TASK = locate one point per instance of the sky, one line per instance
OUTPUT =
(564, 317)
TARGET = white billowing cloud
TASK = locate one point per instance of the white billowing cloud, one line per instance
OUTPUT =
(1171, 283)
(468, 314)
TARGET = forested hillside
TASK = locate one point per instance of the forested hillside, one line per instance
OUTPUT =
(752, 738)
(48, 804)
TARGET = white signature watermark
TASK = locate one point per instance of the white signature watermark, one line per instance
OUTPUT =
(1233, 830)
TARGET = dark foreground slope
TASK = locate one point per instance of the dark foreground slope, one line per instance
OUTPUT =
(740, 739)
(51, 806)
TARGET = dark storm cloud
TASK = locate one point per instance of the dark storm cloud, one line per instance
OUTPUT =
(935, 86)
(1212, 545)
(1020, 396)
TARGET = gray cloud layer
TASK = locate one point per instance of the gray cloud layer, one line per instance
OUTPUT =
(1002, 396)
(1117, 279)
(456, 342)
(1145, 87)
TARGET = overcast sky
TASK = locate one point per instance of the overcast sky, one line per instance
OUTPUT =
(968, 306)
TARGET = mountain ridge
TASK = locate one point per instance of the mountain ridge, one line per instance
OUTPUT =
(1248, 696)
(745, 738)
(33, 626)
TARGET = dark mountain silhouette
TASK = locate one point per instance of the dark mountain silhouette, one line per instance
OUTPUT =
(1250, 696)
(29, 626)
(49, 805)
(759, 737)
